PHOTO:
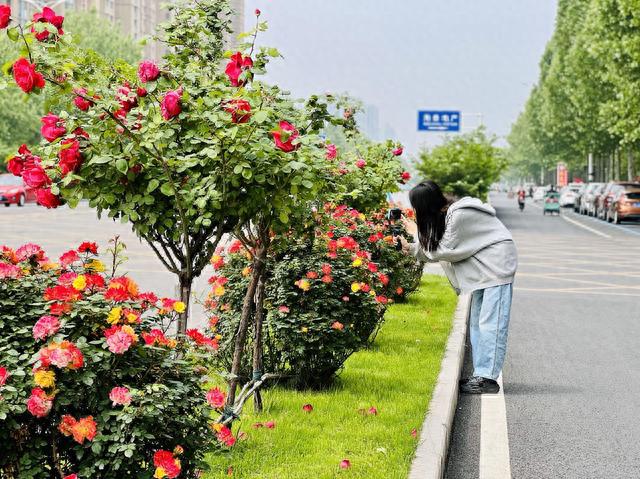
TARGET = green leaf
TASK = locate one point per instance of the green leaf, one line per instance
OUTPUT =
(260, 116)
(121, 165)
(13, 34)
(153, 184)
(166, 189)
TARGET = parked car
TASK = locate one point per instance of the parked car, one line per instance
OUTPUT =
(538, 193)
(568, 195)
(603, 200)
(625, 203)
(581, 190)
(14, 191)
(587, 202)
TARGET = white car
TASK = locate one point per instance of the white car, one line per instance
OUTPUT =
(538, 193)
(568, 195)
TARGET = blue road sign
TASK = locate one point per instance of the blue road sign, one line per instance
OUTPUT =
(439, 120)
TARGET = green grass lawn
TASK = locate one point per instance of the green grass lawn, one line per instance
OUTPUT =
(396, 376)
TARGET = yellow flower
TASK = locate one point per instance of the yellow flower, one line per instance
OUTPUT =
(303, 284)
(44, 378)
(355, 287)
(372, 293)
(49, 266)
(114, 316)
(129, 330)
(95, 265)
(246, 271)
(217, 427)
(179, 307)
(218, 290)
(160, 473)
(218, 337)
(357, 262)
(305, 329)
(132, 318)
(80, 282)
(362, 216)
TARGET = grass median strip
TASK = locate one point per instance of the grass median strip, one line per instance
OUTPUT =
(396, 376)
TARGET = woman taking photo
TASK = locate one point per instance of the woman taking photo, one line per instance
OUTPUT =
(479, 257)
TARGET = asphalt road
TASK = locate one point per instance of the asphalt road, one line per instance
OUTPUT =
(62, 229)
(571, 377)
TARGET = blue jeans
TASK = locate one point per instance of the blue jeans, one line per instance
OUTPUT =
(488, 329)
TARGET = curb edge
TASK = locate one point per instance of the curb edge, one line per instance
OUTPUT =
(431, 454)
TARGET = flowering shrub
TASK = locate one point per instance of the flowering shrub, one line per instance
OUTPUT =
(91, 383)
(325, 295)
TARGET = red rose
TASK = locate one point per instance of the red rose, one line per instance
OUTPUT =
(398, 151)
(81, 102)
(141, 92)
(47, 16)
(258, 12)
(126, 98)
(24, 160)
(80, 132)
(236, 68)
(5, 16)
(284, 137)
(170, 104)
(361, 163)
(26, 76)
(70, 156)
(47, 199)
(36, 177)
(240, 110)
(148, 71)
(406, 176)
(52, 127)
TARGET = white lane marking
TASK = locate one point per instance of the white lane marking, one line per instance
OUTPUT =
(494, 438)
(588, 228)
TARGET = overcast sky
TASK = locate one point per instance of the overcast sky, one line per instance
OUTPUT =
(477, 56)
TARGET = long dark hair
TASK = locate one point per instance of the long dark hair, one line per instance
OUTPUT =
(429, 204)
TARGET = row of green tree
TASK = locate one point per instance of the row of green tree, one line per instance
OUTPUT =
(585, 103)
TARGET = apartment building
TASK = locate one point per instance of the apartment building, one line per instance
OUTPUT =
(137, 18)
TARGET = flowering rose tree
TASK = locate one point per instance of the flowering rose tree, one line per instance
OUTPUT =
(185, 150)
(91, 382)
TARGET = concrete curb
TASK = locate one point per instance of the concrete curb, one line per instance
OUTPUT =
(431, 456)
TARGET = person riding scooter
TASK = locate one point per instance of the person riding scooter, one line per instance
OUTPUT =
(521, 197)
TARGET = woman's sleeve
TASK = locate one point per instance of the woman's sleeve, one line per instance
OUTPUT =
(450, 248)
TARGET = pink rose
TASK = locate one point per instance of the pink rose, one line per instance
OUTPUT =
(5, 16)
(361, 163)
(47, 199)
(345, 464)
(39, 404)
(258, 12)
(148, 71)
(70, 156)
(26, 76)
(170, 104)
(332, 152)
(79, 101)
(284, 136)
(52, 127)
(237, 69)
(119, 342)
(36, 177)
(46, 326)
(398, 151)
(120, 396)
(216, 398)
(9, 271)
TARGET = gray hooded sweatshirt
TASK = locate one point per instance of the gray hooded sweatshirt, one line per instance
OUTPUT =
(476, 251)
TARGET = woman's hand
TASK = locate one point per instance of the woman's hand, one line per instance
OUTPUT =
(406, 246)
(409, 225)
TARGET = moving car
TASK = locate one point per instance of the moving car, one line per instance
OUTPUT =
(551, 203)
(14, 191)
(625, 203)
(587, 205)
(538, 193)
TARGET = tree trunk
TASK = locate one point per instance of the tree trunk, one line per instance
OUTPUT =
(241, 333)
(257, 342)
(630, 165)
(185, 284)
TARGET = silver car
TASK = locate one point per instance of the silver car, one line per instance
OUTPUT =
(587, 201)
